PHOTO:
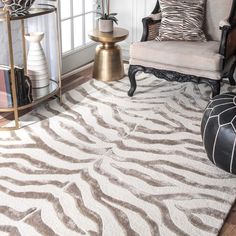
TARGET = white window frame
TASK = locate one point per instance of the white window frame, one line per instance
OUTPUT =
(71, 18)
(81, 55)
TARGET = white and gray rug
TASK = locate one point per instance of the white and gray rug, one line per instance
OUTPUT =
(107, 164)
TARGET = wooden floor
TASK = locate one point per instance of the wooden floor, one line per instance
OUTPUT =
(229, 228)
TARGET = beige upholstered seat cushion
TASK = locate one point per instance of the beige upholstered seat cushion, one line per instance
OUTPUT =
(214, 75)
(193, 55)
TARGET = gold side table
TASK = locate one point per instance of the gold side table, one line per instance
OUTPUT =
(108, 64)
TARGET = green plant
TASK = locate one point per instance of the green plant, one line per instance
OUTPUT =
(105, 12)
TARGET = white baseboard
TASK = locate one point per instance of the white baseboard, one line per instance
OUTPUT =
(77, 70)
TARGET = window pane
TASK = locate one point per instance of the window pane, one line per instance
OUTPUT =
(66, 35)
(78, 31)
(65, 8)
(81, 14)
(89, 5)
(77, 7)
(89, 23)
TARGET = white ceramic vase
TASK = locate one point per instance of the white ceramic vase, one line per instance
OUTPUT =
(105, 26)
(40, 92)
(37, 67)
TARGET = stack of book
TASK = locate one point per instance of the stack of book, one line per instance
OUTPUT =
(23, 87)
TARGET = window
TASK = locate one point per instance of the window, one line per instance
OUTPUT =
(78, 17)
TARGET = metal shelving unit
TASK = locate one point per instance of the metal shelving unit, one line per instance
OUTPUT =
(54, 88)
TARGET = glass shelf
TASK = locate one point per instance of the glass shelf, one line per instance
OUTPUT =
(39, 95)
(38, 11)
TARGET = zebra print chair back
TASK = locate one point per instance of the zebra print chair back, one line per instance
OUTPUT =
(189, 61)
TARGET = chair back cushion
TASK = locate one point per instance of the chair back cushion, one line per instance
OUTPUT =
(216, 10)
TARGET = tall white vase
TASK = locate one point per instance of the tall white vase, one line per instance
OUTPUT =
(37, 67)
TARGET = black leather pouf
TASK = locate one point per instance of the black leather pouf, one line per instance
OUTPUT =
(218, 130)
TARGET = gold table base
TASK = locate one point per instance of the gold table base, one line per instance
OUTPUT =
(108, 65)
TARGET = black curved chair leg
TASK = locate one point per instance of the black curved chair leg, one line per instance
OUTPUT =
(133, 69)
(133, 84)
(231, 74)
(215, 87)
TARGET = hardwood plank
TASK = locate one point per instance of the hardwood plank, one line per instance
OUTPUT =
(229, 228)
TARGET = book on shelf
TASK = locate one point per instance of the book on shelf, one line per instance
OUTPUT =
(5, 86)
(3, 93)
(23, 87)
(28, 90)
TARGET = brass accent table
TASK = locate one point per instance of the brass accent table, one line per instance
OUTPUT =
(108, 64)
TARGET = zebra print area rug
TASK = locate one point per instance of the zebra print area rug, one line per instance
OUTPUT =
(106, 164)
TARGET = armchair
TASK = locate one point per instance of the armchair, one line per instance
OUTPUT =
(189, 61)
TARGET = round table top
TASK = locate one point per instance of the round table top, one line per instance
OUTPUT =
(117, 35)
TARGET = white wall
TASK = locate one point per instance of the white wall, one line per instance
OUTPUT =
(130, 14)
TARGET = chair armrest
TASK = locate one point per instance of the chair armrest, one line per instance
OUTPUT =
(151, 25)
(156, 16)
(224, 23)
(228, 39)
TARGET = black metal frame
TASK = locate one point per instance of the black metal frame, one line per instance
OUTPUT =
(228, 34)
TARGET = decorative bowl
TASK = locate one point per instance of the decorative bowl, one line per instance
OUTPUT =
(17, 7)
